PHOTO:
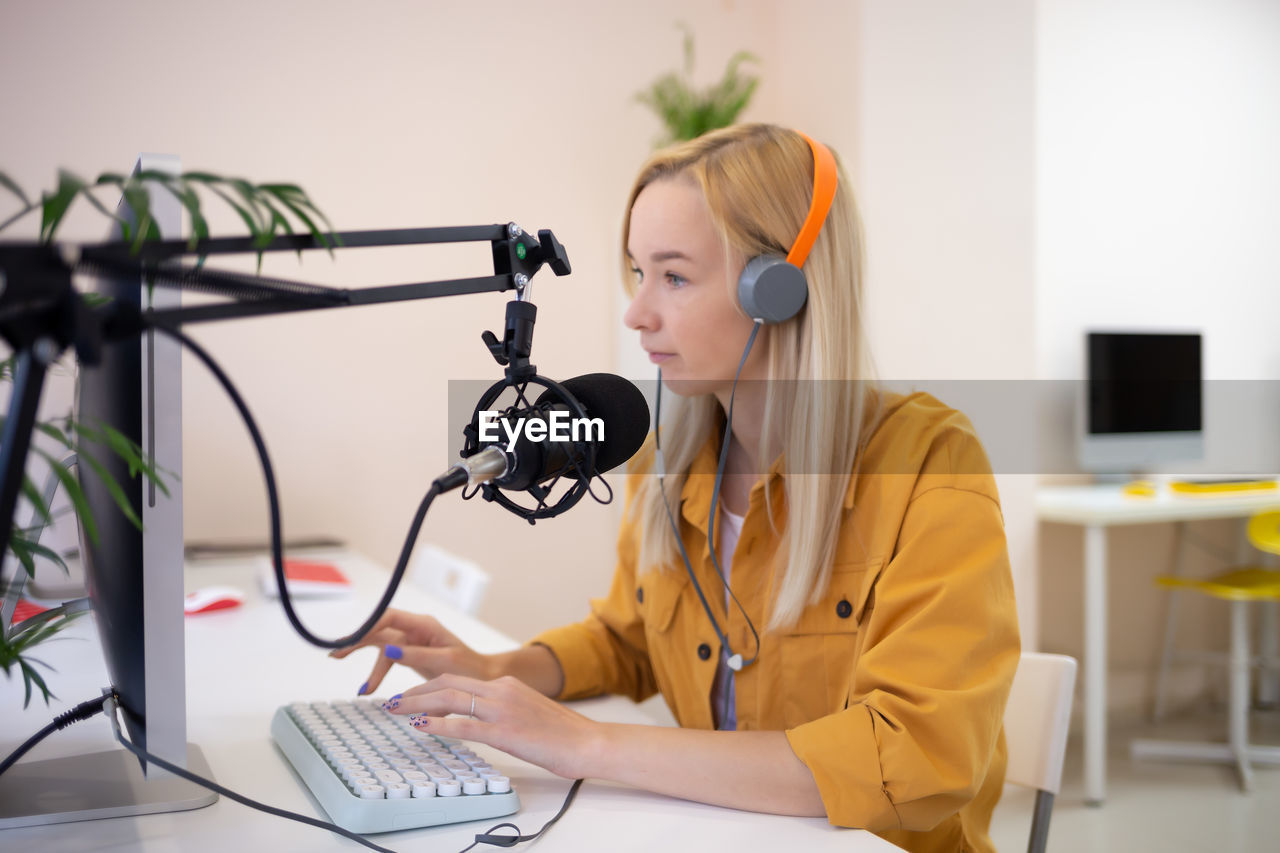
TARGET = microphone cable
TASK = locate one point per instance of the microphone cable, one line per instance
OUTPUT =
(273, 504)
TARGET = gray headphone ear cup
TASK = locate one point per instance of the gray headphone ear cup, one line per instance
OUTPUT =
(772, 290)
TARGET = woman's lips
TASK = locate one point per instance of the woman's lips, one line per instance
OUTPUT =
(660, 357)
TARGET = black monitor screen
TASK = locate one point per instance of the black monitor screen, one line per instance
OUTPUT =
(1142, 383)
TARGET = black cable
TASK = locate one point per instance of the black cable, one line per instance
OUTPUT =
(273, 503)
(83, 711)
(488, 837)
(485, 838)
(711, 522)
(232, 795)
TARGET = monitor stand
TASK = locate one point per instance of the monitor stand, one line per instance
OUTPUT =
(96, 785)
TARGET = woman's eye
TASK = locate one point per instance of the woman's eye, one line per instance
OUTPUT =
(635, 271)
(676, 280)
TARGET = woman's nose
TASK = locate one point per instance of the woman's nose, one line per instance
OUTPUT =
(640, 314)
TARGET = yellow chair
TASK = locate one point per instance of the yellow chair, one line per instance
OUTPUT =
(1241, 586)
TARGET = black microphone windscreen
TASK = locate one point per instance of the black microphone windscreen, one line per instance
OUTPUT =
(622, 408)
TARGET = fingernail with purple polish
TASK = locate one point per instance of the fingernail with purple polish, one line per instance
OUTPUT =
(393, 652)
(397, 696)
(363, 689)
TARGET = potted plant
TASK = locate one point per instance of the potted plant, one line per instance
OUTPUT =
(266, 210)
(687, 111)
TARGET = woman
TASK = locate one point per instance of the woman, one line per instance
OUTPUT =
(860, 667)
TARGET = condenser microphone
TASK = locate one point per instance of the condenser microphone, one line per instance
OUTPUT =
(523, 449)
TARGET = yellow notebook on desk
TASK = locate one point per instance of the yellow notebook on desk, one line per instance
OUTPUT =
(1222, 488)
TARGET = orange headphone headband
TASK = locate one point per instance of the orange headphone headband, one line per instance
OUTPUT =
(824, 193)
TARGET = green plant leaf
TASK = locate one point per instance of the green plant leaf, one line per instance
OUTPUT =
(277, 217)
(55, 204)
(21, 548)
(42, 625)
(12, 186)
(113, 488)
(33, 495)
(56, 434)
(118, 181)
(687, 112)
(74, 492)
(138, 197)
(211, 181)
(27, 204)
(126, 449)
(26, 550)
(295, 200)
(30, 676)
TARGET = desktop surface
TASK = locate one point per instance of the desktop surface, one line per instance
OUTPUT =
(245, 662)
(1114, 503)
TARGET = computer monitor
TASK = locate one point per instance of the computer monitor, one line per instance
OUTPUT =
(1142, 404)
(135, 577)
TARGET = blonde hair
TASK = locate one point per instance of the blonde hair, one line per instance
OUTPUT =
(757, 180)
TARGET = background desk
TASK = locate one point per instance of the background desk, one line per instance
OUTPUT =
(244, 663)
(1096, 508)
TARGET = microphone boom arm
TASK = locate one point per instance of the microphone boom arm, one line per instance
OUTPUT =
(42, 314)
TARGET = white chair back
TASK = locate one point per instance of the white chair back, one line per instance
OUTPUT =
(457, 582)
(1036, 720)
(1035, 729)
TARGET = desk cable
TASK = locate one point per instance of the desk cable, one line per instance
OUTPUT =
(108, 704)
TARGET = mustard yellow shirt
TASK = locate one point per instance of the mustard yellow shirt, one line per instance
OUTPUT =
(892, 688)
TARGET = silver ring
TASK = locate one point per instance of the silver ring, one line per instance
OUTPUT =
(473, 706)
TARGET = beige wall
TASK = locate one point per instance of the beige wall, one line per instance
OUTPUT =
(416, 114)
(389, 114)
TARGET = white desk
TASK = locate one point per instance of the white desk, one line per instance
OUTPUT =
(1096, 508)
(243, 663)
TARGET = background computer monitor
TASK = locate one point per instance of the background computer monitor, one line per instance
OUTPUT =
(1142, 405)
(134, 577)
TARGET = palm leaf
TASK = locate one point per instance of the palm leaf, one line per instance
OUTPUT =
(74, 492)
(56, 204)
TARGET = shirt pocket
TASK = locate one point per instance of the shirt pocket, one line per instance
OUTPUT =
(658, 594)
(818, 655)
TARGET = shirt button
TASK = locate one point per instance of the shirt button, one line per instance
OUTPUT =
(704, 651)
(844, 609)
(640, 594)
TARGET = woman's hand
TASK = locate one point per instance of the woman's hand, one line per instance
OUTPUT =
(508, 715)
(422, 643)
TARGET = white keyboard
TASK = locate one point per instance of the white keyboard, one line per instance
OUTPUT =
(373, 772)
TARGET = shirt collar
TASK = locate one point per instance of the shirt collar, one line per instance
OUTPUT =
(696, 497)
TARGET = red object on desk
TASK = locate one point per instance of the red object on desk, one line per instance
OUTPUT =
(300, 570)
(305, 578)
(25, 610)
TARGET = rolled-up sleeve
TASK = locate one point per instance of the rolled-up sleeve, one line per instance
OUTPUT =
(938, 651)
(607, 652)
